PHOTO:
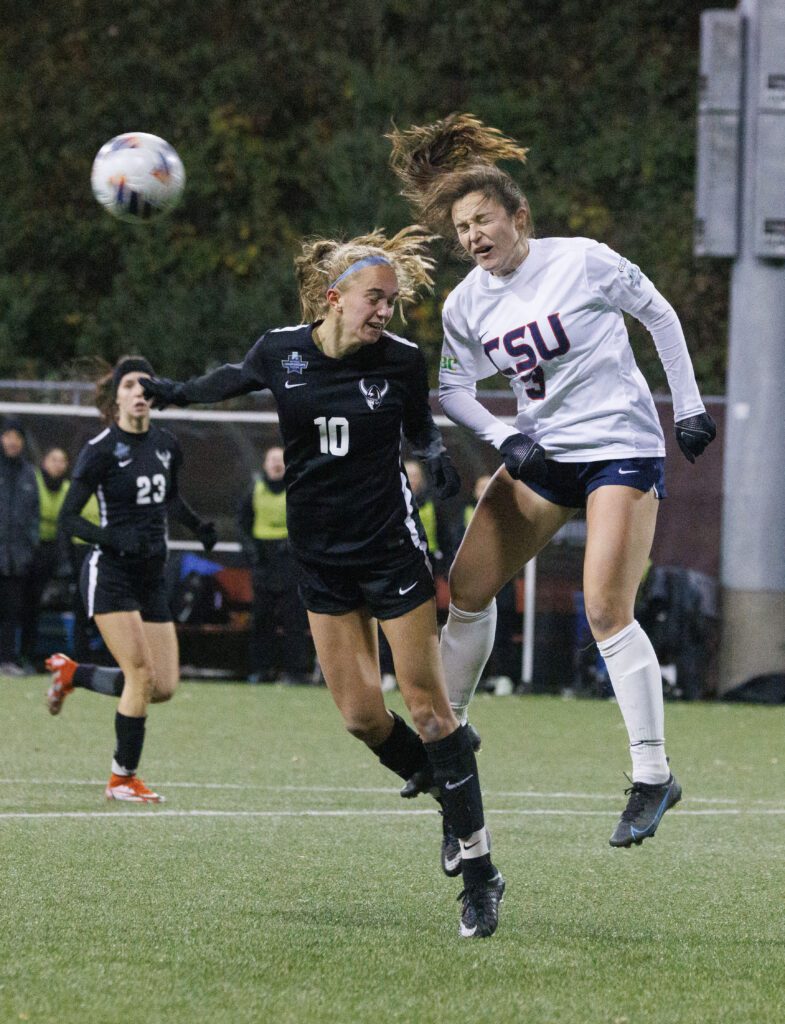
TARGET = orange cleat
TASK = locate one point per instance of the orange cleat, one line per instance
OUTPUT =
(130, 788)
(62, 668)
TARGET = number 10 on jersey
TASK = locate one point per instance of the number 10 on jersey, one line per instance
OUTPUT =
(333, 435)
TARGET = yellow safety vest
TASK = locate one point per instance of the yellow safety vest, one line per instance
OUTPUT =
(427, 514)
(269, 513)
(50, 503)
(92, 514)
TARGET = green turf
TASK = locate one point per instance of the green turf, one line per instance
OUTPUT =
(127, 915)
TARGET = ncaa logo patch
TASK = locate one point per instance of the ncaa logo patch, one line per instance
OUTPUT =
(373, 394)
(294, 364)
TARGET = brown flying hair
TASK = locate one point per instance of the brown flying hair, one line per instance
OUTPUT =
(440, 163)
(323, 260)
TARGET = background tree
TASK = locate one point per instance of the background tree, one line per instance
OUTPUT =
(278, 111)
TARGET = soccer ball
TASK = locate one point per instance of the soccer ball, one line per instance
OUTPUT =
(137, 176)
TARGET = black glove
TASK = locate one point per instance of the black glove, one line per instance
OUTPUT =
(524, 459)
(207, 534)
(128, 541)
(695, 434)
(446, 482)
(161, 391)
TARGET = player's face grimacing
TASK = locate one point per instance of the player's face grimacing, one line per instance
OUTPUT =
(133, 409)
(365, 303)
(495, 239)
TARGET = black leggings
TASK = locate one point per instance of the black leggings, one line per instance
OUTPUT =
(12, 595)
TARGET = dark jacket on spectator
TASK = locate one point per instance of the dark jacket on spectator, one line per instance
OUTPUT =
(19, 515)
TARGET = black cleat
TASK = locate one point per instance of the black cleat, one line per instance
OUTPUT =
(420, 782)
(646, 805)
(451, 850)
(480, 910)
(474, 737)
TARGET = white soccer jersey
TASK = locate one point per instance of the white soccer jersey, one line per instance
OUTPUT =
(555, 329)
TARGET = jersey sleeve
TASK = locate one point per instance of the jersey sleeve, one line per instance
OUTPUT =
(463, 358)
(89, 468)
(622, 285)
(177, 463)
(228, 381)
(463, 364)
(418, 423)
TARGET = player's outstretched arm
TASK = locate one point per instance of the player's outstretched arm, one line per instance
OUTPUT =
(227, 381)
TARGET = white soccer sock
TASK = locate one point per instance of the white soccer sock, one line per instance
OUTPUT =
(466, 644)
(637, 683)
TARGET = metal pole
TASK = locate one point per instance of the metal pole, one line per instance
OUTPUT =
(753, 514)
(527, 647)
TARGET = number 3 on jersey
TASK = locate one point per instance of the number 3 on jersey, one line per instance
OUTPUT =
(333, 435)
(150, 490)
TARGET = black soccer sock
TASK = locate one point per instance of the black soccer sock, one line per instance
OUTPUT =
(403, 752)
(130, 740)
(109, 681)
(455, 773)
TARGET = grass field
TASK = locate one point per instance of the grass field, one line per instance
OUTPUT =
(284, 880)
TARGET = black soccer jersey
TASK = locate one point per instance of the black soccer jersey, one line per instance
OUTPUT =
(134, 476)
(341, 420)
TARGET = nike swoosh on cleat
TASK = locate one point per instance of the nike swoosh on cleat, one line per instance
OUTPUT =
(405, 590)
(645, 832)
(452, 862)
(300, 384)
(456, 785)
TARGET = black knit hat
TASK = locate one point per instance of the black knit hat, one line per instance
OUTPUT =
(131, 364)
(12, 423)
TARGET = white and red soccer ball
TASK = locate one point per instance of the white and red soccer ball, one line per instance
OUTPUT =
(137, 177)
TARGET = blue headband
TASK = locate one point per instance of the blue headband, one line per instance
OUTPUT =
(366, 261)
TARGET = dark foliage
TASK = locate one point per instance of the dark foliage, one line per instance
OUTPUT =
(278, 111)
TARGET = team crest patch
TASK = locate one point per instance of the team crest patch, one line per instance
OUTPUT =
(165, 457)
(294, 364)
(373, 394)
(121, 451)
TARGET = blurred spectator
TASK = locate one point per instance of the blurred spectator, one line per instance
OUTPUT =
(19, 516)
(280, 641)
(51, 556)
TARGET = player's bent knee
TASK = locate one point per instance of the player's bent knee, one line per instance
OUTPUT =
(430, 726)
(161, 694)
(606, 618)
(369, 730)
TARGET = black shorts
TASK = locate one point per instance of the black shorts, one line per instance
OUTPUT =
(387, 589)
(570, 483)
(112, 585)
